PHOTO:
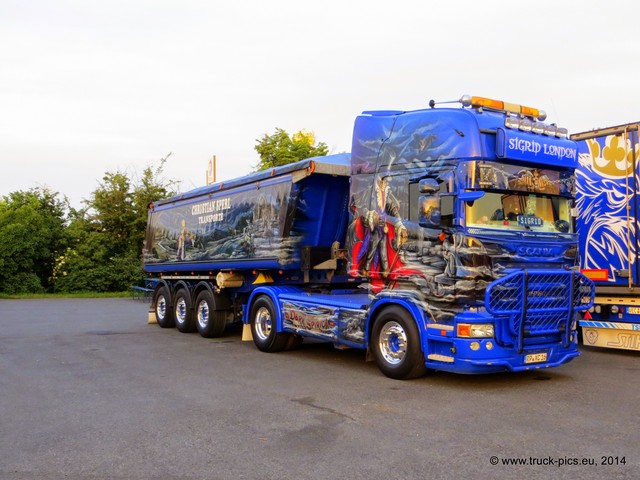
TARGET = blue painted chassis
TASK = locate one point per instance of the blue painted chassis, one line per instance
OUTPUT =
(470, 355)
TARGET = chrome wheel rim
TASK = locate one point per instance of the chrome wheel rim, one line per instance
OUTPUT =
(393, 343)
(181, 310)
(263, 323)
(203, 314)
(161, 308)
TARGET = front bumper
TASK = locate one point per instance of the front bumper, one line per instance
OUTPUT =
(476, 356)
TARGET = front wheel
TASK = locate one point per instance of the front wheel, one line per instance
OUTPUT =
(263, 326)
(396, 345)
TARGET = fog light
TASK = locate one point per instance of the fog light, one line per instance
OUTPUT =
(489, 345)
(614, 309)
(474, 346)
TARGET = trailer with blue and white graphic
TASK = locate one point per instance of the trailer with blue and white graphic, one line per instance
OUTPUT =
(609, 204)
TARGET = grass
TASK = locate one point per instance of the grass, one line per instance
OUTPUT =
(31, 296)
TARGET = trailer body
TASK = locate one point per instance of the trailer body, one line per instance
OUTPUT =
(444, 241)
(609, 203)
(260, 221)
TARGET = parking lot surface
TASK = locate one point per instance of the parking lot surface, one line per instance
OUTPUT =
(89, 390)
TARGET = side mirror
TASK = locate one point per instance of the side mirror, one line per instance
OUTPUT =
(429, 186)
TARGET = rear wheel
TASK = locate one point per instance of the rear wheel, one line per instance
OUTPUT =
(209, 322)
(183, 314)
(263, 326)
(164, 314)
(396, 345)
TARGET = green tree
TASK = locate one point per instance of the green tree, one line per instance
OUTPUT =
(32, 238)
(280, 148)
(107, 235)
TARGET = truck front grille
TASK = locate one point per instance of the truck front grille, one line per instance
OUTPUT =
(538, 303)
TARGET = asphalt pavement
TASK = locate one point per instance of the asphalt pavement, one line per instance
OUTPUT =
(89, 390)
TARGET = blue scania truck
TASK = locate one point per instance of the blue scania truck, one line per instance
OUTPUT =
(608, 200)
(444, 241)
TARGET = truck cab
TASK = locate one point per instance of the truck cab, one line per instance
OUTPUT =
(477, 223)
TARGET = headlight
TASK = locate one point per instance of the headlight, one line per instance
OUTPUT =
(475, 330)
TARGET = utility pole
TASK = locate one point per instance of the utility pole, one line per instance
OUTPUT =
(211, 171)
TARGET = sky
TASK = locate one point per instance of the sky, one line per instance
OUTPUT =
(89, 87)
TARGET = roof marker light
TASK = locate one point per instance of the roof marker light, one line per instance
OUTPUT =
(483, 102)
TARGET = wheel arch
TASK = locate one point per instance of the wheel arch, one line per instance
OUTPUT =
(273, 293)
(273, 296)
(182, 285)
(221, 299)
(201, 286)
(162, 283)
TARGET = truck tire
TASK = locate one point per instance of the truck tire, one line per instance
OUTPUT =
(183, 314)
(209, 322)
(164, 314)
(395, 342)
(263, 326)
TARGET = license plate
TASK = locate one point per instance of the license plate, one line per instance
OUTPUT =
(535, 357)
(634, 310)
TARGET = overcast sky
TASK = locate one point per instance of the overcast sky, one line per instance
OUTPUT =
(88, 87)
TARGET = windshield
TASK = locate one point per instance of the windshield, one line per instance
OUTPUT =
(520, 212)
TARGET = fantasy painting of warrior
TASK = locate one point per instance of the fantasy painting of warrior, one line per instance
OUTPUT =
(378, 235)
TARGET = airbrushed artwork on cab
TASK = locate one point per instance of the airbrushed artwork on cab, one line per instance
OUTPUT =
(406, 237)
(398, 239)
(602, 179)
(253, 223)
(437, 267)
